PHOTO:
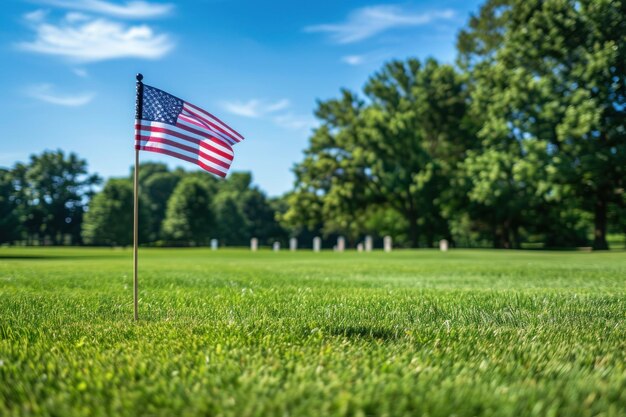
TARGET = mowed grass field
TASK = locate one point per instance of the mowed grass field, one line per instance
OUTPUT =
(234, 333)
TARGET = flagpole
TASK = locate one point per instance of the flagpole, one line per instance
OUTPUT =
(138, 114)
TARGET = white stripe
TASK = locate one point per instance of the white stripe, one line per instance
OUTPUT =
(215, 121)
(182, 152)
(189, 144)
(224, 147)
(188, 117)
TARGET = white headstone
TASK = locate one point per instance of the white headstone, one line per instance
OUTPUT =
(341, 244)
(359, 247)
(254, 244)
(369, 243)
(443, 245)
(317, 244)
(276, 246)
(293, 244)
(387, 243)
(213, 244)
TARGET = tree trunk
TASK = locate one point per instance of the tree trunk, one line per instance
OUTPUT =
(517, 240)
(502, 236)
(506, 235)
(413, 230)
(599, 231)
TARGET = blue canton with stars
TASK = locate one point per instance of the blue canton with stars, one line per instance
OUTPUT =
(158, 106)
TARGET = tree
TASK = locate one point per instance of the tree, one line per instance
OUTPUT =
(565, 95)
(157, 190)
(232, 226)
(243, 211)
(189, 217)
(53, 190)
(109, 220)
(398, 152)
(261, 216)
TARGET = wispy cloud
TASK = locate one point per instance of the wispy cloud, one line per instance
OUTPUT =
(47, 93)
(128, 10)
(294, 122)
(371, 57)
(277, 112)
(353, 59)
(81, 72)
(36, 15)
(83, 38)
(254, 108)
(366, 22)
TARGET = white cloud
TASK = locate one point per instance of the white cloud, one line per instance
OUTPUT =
(128, 10)
(353, 59)
(294, 122)
(85, 39)
(76, 17)
(366, 22)
(47, 93)
(371, 57)
(254, 108)
(277, 112)
(36, 16)
(279, 105)
(81, 72)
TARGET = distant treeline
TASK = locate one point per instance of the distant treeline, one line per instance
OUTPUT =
(51, 201)
(523, 141)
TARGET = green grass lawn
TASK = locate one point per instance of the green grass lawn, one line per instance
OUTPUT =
(234, 333)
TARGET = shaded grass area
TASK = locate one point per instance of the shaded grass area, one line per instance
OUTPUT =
(234, 333)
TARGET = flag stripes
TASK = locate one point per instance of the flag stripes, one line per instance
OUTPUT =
(190, 135)
(176, 128)
(170, 140)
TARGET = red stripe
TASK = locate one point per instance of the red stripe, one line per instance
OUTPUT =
(185, 158)
(218, 120)
(208, 146)
(186, 148)
(213, 125)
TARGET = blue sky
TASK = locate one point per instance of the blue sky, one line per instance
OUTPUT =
(67, 72)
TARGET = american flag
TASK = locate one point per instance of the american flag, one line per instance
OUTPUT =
(171, 126)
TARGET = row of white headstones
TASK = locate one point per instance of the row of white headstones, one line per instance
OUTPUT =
(366, 246)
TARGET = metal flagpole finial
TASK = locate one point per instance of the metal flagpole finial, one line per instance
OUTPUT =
(139, 101)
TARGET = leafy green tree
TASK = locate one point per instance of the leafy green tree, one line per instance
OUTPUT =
(157, 190)
(501, 185)
(243, 211)
(565, 95)
(147, 170)
(261, 216)
(189, 217)
(398, 152)
(232, 226)
(53, 190)
(109, 220)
